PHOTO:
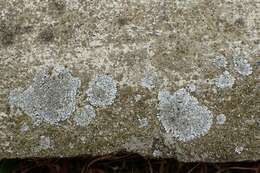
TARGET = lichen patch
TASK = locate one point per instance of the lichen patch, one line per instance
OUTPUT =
(220, 61)
(102, 91)
(225, 80)
(221, 118)
(50, 98)
(143, 122)
(242, 66)
(45, 142)
(191, 87)
(157, 153)
(149, 80)
(239, 149)
(85, 116)
(182, 116)
(24, 128)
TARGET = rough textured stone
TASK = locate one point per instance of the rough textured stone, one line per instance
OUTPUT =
(172, 78)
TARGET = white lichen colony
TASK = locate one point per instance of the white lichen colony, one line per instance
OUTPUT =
(45, 142)
(182, 116)
(51, 97)
(137, 97)
(148, 81)
(157, 153)
(85, 116)
(83, 139)
(225, 80)
(220, 61)
(242, 66)
(102, 91)
(143, 122)
(239, 149)
(24, 128)
(191, 87)
(221, 118)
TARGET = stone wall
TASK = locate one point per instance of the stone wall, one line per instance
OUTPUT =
(162, 78)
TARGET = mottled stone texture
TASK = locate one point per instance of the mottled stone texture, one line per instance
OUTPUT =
(163, 78)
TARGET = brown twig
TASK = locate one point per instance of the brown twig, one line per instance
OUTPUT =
(86, 168)
(192, 169)
(149, 166)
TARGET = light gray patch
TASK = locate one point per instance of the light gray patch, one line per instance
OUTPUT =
(221, 118)
(220, 61)
(137, 97)
(225, 80)
(102, 91)
(143, 122)
(182, 116)
(50, 98)
(85, 116)
(239, 149)
(242, 66)
(191, 87)
(45, 142)
(148, 81)
(185, 4)
(135, 144)
(83, 139)
(157, 153)
(250, 122)
(24, 128)
(71, 145)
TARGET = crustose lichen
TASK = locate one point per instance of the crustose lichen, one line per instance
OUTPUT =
(220, 61)
(182, 116)
(225, 80)
(242, 66)
(102, 91)
(221, 118)
(51, 97)
(85, 116)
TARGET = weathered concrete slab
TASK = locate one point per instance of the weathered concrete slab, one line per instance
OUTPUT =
(161, 78)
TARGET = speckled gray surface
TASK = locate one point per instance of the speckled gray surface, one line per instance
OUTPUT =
(171, 78)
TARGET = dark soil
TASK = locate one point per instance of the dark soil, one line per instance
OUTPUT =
(121, 163)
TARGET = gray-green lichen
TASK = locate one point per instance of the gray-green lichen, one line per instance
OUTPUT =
(225, 80)
(143, 122)
(24, 128)
(85, 115)
(157, 153)
(44, 143)
(221, 118)
(149, 80)
(220, 61)
(242, 66)
(102, 91)
(50, 97)
(182, 116)
(191, 87)
(239, 149)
